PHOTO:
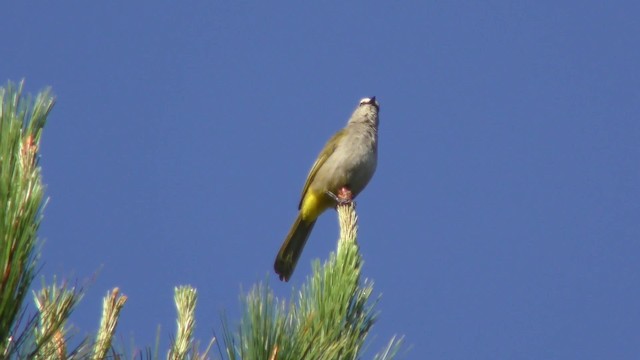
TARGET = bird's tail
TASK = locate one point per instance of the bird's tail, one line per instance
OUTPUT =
(292, 248)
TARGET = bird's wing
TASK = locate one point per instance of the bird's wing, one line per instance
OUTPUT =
(328, 149)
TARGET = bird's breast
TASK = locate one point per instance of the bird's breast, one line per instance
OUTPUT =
(352, 164)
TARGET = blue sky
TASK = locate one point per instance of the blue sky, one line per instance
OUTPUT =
(502, 221)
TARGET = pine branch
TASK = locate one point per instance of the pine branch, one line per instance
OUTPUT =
(184, 347)
(21, 204)
(111, 306)
(330, 319)
(54, 304)
(41, 336)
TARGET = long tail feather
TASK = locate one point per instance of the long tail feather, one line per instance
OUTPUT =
(292, 248)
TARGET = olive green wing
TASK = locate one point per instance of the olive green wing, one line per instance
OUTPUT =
(328, 149)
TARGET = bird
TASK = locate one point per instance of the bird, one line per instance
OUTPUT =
(345, 165)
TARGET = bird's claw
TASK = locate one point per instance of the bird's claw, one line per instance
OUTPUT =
(344, 196)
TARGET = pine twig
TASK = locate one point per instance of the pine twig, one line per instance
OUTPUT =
(111, 306)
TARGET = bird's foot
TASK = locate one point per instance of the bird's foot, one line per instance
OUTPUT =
(345, 196)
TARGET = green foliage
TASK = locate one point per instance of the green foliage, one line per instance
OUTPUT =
(21, 204)
(54, 304)
(111, 306)
(330, 319)
(22, 335)
(184, 346)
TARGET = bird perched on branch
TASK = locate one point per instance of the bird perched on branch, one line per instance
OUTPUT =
(341, 171)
